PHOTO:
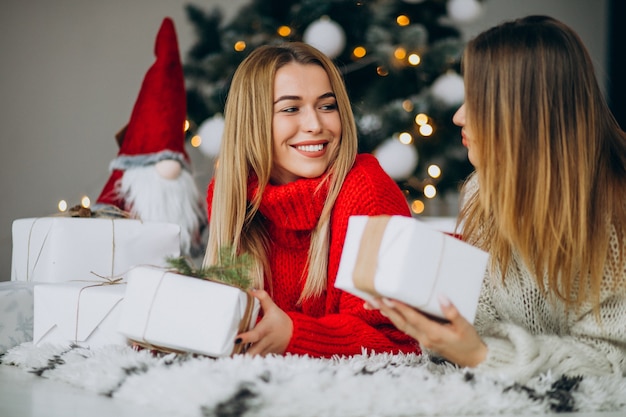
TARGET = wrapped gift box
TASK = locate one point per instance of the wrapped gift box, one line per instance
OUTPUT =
(80, 313)
(60, 249)
(168, 311)
(405, 259)
(16, 314)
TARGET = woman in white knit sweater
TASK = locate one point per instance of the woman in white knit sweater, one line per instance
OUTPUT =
(547, 201)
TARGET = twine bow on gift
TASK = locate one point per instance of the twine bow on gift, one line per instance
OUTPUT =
(106, 281)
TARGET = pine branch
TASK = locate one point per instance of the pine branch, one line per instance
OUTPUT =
(231, 270)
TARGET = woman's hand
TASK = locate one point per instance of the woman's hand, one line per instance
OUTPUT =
(272, 333)
(456, 340)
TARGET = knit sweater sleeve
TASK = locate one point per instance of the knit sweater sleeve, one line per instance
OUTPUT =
(527, 336)
(346, 328)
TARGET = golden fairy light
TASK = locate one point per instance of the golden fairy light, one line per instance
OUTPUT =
(405, 137)
(239, 46)
(382, 71)
(196, 141)
(434, 171)
(359, 52)
(403, 20)
(421, 119)
(187, 124)
(85, 202)
(430, 191)
(417, 206)
(399, 53)
(284, 31)
(62, 205)
(414, 59)
(407, 105)
(426, 130)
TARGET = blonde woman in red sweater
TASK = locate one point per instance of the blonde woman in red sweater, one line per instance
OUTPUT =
(288, 179)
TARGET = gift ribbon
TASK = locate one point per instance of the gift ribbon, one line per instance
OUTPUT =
(244, 323)
(366, 264)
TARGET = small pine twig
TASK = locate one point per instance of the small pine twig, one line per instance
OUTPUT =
(231, 270)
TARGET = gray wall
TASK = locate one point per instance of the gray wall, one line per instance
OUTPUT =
(71, 71)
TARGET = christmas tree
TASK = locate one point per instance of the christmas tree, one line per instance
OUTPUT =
(401, 64)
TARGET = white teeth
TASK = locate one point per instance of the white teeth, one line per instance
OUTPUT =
(310, 148)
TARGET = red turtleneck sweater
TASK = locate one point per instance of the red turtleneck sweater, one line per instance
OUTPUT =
(334, 323)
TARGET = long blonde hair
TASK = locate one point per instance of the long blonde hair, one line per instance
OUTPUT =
(247, 149)
(552, 157)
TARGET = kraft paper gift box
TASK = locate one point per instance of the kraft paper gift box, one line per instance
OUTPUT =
(16, 314)
(80, 313)
(167, 311)
(405, 259)
(61, 249)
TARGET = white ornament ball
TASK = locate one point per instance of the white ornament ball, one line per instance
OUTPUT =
(327, 36)
(210, 132)
(463, 11)
(449, 89)
(397, 159)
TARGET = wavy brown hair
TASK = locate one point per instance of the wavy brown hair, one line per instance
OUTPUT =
(552, 158)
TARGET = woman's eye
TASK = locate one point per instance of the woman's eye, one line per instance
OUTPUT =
(289, 110)
(329, 107)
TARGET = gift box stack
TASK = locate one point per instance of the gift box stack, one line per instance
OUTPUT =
(93, 282)
(75, 269)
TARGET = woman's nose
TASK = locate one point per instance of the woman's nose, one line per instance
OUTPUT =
(459, 117)
(312, 122)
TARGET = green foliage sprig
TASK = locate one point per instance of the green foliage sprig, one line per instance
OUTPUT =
(230, 270)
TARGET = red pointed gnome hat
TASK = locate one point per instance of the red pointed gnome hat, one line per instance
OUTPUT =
(155, 130)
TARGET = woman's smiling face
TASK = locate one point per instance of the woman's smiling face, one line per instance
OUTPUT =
(306, 127)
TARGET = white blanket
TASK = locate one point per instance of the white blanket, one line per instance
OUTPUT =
(363, 385)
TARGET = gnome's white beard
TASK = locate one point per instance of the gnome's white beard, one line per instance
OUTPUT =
(154, 198)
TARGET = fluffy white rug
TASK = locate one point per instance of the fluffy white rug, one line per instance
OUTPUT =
(363, 385)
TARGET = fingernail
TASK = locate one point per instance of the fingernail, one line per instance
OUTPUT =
(374, 303)
(238, 340)
(388, 302)
(444, 301)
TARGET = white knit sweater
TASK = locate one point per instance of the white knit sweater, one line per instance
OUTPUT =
(529, 334)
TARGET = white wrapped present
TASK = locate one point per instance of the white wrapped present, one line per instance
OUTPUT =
(407, 260)
(80, 313)
(168, 311)
(60, 249)
(16, 314)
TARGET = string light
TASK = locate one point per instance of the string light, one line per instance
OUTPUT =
(430, 191)
(284, 31)
(85, 202)
(434, 171)
(426, 130)
(239, 46)
(414, 59)
(407, 105)
(406, 138)
(421, 119)
(187, 125)
(382, 71)
(359, 52)
(400, 53)
(62, 205)
(403, 20)
(417, 206)
(196, 141)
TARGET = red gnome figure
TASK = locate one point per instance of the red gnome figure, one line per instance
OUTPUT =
(151, 176)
